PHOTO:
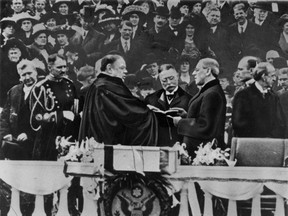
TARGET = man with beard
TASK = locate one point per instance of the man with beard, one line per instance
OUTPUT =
(111, 113)
(52, 109)
(256, 109)
(14, 120)
(207, 109)
(170, 97)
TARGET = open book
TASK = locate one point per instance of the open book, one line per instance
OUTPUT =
(169, 113)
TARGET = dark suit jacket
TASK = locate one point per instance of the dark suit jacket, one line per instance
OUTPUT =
(92, 45)
(167, 134)
(206, 117)
(255, 116)
(15, 120)
(247, 43)
(133, 57)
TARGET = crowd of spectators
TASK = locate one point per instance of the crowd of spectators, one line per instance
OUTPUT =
(147, 33)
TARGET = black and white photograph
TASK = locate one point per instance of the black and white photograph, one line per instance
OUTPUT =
(143, 108)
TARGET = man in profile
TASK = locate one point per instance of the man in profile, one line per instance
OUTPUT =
(207, 109)
(256, 109)
(111, 114)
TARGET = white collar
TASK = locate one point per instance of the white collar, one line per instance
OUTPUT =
(260, 88)
(244, 26)
(214, 28)
(173, 92)
(123, 41)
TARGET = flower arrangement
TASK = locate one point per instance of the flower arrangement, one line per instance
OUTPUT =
(75, 151)
(209, 155)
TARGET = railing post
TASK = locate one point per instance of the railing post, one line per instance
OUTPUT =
(39, 206)
(15, 203)
(208, 206)
(90, 204)
(63, 203)
(280, 209)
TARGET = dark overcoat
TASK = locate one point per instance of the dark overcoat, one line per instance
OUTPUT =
(206, 117)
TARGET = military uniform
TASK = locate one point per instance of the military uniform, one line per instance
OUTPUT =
(49, 98)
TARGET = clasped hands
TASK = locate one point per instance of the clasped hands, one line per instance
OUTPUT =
(21, 137)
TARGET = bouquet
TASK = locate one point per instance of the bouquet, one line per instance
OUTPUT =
(209, 155)
(75, 151)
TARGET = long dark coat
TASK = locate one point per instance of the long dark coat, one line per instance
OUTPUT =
(256, 116)
(113, 115)
(206, 117)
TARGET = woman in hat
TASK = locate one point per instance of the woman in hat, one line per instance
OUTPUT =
(192, 42)
(25, 23)
(7, 29)
(149, 9)
(109, 26)
(12, 53)
(283, 37)
(40, 48)
(136, 15)
(65, 9)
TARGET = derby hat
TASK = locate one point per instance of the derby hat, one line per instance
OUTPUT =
(162, 11)
(67, 31)
(175, 13)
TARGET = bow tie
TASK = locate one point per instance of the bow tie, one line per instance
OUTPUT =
(170, 96)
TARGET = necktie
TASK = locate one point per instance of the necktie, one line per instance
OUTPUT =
(169, 96)
(126, 46)
(241, 29)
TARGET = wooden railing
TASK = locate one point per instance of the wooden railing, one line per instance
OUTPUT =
(233, 183)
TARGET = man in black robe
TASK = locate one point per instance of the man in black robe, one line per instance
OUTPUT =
(111, 114)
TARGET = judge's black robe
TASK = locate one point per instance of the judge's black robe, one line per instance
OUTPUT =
(112, 115)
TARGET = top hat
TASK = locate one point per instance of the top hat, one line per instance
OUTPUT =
(133, 9)
(162, 11)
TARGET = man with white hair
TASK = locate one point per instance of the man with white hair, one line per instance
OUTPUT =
(14, 119)
(206, 112)
(256, 109)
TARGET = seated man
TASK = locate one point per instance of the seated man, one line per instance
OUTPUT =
(112, 114)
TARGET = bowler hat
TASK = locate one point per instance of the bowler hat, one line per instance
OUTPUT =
(150, 59)
(162, 11)
(133, 9)
(67, 31)
(175, 13)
